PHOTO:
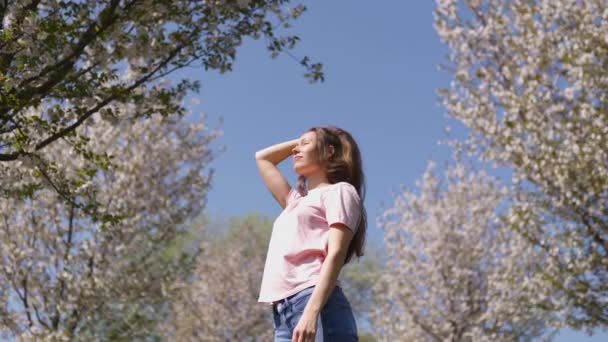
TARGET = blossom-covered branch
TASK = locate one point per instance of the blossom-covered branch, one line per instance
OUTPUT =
(530, 83)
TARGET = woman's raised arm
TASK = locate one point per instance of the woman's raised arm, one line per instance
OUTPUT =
(267, 160)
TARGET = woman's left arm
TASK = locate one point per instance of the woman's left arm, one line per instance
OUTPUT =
(339, 239)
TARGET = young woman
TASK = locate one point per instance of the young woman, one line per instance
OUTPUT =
(321, 227)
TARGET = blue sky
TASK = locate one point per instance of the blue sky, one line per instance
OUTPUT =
(381, 66)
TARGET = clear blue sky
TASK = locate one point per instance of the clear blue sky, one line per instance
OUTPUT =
(381, 84)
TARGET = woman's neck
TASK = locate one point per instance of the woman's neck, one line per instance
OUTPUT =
(316, 181)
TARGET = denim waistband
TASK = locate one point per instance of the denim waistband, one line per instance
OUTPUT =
(294, 296)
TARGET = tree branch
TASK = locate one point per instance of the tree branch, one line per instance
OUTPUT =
(90, 112)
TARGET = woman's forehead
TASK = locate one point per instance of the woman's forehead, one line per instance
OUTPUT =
(308, 135)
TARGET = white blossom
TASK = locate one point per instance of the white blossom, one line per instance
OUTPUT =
(532, 91)
(455, 272)
(61, 271)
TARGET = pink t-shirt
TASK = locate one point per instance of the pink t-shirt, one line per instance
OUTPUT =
(298, 244)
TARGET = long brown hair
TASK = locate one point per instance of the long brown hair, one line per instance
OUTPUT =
(343, 165)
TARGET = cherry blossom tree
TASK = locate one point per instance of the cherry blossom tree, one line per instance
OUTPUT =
(65, 275)
(454, 271)
(99, 169)
(219, 301)
(530, 83)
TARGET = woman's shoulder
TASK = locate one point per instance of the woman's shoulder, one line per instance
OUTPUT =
(342, 188)
(344, 185)
(341, 195)
(292, 195)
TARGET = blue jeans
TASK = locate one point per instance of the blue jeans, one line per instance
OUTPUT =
(336, 322)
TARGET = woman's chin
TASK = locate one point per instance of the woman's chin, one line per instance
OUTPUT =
(299, 170)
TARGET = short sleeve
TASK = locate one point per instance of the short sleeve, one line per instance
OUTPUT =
(342, 205)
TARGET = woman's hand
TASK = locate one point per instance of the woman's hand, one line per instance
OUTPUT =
(306, 328)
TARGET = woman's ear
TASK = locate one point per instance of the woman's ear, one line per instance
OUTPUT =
(332, 150)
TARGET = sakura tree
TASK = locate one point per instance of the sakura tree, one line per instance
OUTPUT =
(218, 302)
(65, 275)
(530, 83)
(454, 271)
